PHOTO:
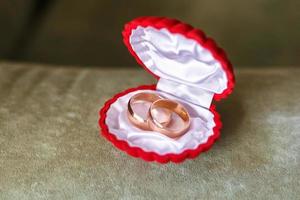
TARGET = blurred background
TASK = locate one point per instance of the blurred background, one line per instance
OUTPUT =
(70, 32)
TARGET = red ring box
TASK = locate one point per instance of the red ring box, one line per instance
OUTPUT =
(190, 68)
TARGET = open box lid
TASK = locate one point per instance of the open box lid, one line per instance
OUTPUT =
(186, 62)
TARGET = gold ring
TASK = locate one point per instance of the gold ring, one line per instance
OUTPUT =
(172, 106)
(137, 119)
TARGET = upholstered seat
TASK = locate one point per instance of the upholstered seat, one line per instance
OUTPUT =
(50, 145)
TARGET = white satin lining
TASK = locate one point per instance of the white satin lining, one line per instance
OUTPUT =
(201, 128)
(191, 94)
(176, 58)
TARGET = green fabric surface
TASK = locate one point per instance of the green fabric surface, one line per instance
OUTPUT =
(50, 146)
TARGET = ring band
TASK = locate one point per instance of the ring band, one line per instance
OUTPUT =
(138, 120)
(175, 107)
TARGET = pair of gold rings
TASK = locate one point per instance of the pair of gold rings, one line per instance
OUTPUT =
(161, 115)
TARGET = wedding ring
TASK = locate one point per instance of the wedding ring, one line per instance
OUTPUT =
(137, 119)
(174, 107)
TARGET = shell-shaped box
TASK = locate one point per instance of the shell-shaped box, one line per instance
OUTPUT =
(190, 68)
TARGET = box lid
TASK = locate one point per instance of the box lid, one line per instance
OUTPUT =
(185, 61)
